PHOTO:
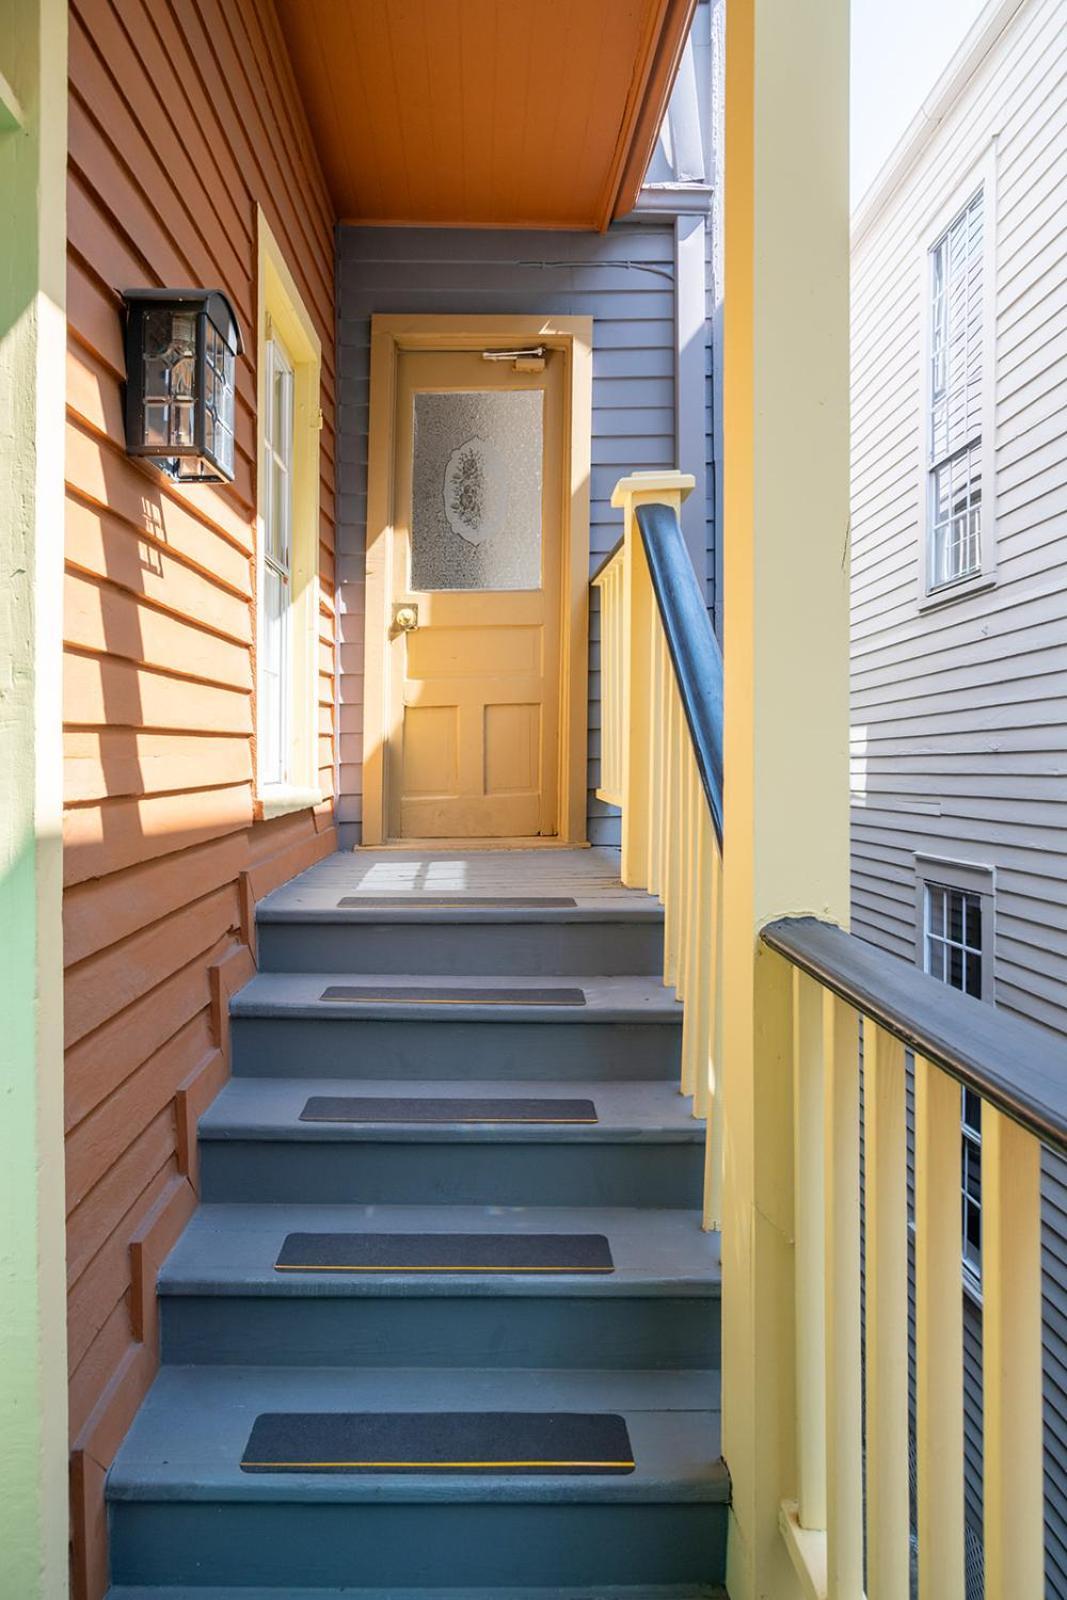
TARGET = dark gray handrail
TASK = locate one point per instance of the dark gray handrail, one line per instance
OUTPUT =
(691, 641)
(1018, 1067)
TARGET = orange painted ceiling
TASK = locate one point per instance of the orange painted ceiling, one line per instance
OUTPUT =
(485, 113)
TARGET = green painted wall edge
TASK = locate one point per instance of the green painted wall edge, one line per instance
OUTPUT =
(33, 1376)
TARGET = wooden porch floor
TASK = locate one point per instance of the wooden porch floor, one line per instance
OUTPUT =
(590, 877)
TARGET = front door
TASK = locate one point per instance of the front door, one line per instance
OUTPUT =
(474, 609)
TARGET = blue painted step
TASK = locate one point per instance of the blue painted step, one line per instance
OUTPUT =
(646, 1149)
(222, 1300)
(183, 1512)
(611, 939)
(569, 1592)
(239, 1339)
(630, 1027)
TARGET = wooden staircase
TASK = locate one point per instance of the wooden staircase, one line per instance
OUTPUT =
(241, 1338)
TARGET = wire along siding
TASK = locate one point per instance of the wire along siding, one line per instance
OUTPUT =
(959, 714)
(624, 279)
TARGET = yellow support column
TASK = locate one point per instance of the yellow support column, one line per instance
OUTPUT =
(785, 476)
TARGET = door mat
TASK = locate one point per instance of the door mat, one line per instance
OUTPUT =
(425, 994)
(453, 902)
(504, 1442)
(445, 1252)
(376, 1108)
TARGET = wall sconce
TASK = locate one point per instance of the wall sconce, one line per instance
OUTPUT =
(181, 350)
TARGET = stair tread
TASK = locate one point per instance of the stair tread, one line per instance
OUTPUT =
(632, 998)
(187, 1439)
(269, 1108)
(567, 1592)
(589, 876)
(232, 1248)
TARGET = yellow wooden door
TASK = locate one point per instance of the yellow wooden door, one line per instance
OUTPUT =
(474, 610)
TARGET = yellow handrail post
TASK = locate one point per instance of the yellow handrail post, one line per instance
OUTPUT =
(638, 623)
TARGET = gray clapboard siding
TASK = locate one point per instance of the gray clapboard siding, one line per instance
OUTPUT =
(960, 714)
(624, 279)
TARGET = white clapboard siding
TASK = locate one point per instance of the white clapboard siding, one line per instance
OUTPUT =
(960, 714)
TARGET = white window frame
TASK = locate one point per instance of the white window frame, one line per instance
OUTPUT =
(981, 180)
(278, 452)
(979, 881)
(285, 326)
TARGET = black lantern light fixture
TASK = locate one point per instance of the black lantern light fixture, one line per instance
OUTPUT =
(181, 350)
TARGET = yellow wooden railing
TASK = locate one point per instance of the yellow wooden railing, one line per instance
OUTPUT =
(853, 1413)
(843, 1496)
(650, 769)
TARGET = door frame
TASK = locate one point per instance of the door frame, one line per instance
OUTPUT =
(573, 338)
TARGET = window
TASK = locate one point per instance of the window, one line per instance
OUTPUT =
(287, 546)
(954, 438)
(956, 949)
(275, 707)
(956, 503)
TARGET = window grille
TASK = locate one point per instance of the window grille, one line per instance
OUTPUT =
(952, 952)
(954, 425)
(276, 600)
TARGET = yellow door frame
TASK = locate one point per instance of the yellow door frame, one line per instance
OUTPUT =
(573, 337)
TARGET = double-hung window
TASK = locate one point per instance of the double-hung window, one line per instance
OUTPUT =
(288, 377)
(957, 498)
(955, 936)
(276, 643)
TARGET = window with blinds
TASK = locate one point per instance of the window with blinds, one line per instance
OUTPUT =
(954, 425)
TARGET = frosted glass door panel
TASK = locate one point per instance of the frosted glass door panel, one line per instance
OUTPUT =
(476, 490)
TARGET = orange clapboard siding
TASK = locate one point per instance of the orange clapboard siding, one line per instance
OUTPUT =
(120, 761)
(102, 690)
(92, 1221)
(105, 984)
(162, 852)
(101, 617)
(104, 838)
(105, 910)
(102, 546)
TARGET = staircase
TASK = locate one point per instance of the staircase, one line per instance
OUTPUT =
(242, 1339)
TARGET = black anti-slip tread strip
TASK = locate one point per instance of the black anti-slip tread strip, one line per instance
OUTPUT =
(503, 1442)
(445, 1252)
(397, 1109)
(457, 902)
(451, 995)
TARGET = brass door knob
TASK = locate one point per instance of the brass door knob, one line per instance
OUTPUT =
(405, 618)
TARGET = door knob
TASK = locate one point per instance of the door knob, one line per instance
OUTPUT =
(405, 618)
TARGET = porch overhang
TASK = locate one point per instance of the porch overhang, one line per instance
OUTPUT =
(485, 113)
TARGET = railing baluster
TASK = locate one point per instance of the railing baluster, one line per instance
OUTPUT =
(843, 1373)
(1011, 1359)
(809, 1234)
(703, 978)
(938, 1334)
(672, 873)
(655, 753)
(888, 1543)
(713, 1150)
(663, 752)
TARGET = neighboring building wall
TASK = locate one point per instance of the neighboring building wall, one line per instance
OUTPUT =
(182, 119)
(960, 712)
(624, 279)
